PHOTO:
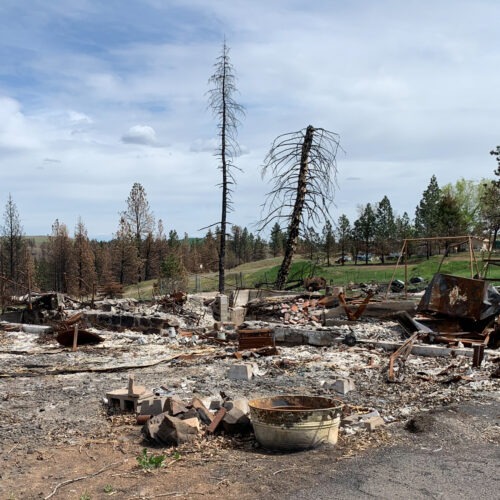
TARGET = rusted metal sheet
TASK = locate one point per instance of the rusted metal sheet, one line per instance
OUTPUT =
(351, 314)
(457, 297)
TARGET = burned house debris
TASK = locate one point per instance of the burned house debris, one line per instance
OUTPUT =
(199, 369)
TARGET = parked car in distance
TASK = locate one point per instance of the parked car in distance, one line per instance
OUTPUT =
(394, 255)
(365, 257)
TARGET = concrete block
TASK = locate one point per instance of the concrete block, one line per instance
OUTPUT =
(237, 315)
(222, 307)
(192, 422)
(202, 410)
(242, 371)
(343, 385)
(211, 402)
(351, 420)
(120, 398)
(373, 423)
(236, 421)
(152, 406)
(241, 404)
(165, 429)
(174, 405)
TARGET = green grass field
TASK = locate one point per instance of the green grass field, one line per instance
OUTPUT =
(264, 273)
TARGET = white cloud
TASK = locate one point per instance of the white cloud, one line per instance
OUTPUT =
(140, 134)
(16, 130)
(204, 145)
(80, 118)
(411, 91)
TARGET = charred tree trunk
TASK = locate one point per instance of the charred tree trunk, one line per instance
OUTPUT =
(227, 110)
(294, 226)
(223, 217)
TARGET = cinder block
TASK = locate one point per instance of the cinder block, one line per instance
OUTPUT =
(222, 307)
(343, 385)
(373, 423)
(152, 406)
(240, 372)
(237, 315)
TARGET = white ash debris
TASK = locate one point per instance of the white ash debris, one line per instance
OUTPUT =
(116, 305)
(370, 329)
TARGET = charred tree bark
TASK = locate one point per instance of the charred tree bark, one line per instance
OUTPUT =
(225, 186)
(294, 226)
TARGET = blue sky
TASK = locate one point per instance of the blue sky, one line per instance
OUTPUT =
(95, 96)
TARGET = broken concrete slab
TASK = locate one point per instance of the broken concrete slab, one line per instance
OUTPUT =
(425, 349)
(236, 421)
(237, 315)
(175, 406)
(168, 430)
(240, 403)
(373, 423)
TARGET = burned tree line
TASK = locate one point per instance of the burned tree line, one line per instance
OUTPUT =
(142, 249)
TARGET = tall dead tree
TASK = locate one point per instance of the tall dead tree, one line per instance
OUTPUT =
(227, 112)
(303, 167)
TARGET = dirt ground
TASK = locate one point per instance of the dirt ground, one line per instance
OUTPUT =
(95, 469)
(59, 440)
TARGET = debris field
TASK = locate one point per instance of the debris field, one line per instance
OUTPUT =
(181, 378)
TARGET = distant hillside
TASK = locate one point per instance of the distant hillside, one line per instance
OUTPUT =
(38, 240)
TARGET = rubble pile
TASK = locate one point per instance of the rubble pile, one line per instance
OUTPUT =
(193, 369)
(288, 310)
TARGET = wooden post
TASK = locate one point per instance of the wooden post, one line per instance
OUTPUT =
(470, 258)
(75, 337)
(406, 268)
